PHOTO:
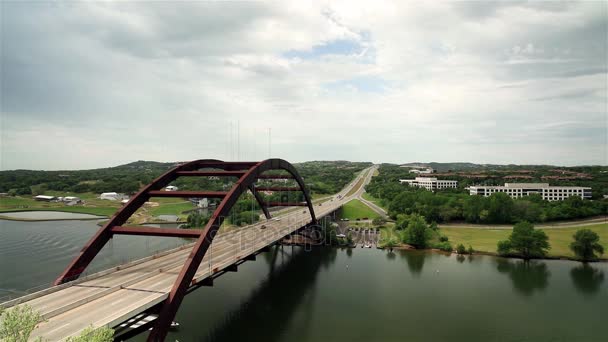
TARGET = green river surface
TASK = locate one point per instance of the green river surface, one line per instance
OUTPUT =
(329, 294)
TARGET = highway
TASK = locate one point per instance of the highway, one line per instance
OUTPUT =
(113, 296)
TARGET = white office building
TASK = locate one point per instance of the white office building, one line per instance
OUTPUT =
(548, 192)
(430, 183)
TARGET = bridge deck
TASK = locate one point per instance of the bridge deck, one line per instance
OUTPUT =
(118, 295)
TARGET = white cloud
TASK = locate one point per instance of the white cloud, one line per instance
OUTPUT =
(115, 82)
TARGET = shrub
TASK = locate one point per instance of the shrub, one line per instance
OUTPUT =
(460, 249)
(504, 247)
(378, 221)
(17, 324)
(444, 246)
(586, 243)
(471, 250)
(443, 238)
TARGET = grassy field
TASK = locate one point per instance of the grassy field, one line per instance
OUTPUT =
(485, 240)
(317, 196)
(93, 205)
(374, 200)
(356, 187)
(356, 210)
(176, 208)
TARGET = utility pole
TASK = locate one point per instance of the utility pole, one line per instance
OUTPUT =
(269, 142)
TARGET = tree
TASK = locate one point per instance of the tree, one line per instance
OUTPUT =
(391, 243)
(500, 208)
(349, 239)
(460, 249)
(586, 244)
(470, 250)
(526, 241)
(504, 247)
(416, 231)
(245, 218)
(472, 208)
(378, 221)
(17, 324)
(90, 334)
(38, 189)
(196, 220)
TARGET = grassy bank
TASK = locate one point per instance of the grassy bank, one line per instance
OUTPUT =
(92, 205)
(356, 210)
(374, 200)
(356, 187)
(485, 240)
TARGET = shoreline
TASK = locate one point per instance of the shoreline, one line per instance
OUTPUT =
(19, 219)
(494, 254)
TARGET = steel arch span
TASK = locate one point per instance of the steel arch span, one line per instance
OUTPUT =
(246, 172)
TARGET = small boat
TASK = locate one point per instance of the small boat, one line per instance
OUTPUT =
(174, 325)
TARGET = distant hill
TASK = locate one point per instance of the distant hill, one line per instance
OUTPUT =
(466, 166)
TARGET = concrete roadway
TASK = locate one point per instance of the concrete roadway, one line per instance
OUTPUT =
(113, 296)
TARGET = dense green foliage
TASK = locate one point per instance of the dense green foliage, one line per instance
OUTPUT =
(416, 231)
(525, 241)
(329, 177)
(90, 334)
(460, 249)
(586, 243)
(491, 174)
(196, 220)
(321, 177)
(17, 324)
(457, 205)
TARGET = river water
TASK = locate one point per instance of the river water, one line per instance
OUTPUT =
(329, 294)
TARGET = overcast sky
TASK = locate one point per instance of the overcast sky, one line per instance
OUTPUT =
(97, 84)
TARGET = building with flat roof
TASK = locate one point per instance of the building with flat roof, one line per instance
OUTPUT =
(45, 198)
(548, 192)
(430, 183)
(112, 196)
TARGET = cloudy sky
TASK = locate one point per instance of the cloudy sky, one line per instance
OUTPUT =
(98, 84)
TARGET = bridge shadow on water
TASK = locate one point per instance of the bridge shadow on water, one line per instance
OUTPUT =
(289, 287)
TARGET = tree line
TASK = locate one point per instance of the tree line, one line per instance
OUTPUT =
(323, 177)
(457, 205)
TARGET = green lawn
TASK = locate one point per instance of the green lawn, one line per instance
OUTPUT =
(172, 208)
(356, 210)
(316, 196)
(485, 240)
(356, 187)
(374, 200)
(93, 205)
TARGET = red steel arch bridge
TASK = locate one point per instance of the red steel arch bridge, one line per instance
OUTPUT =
(160, 282)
